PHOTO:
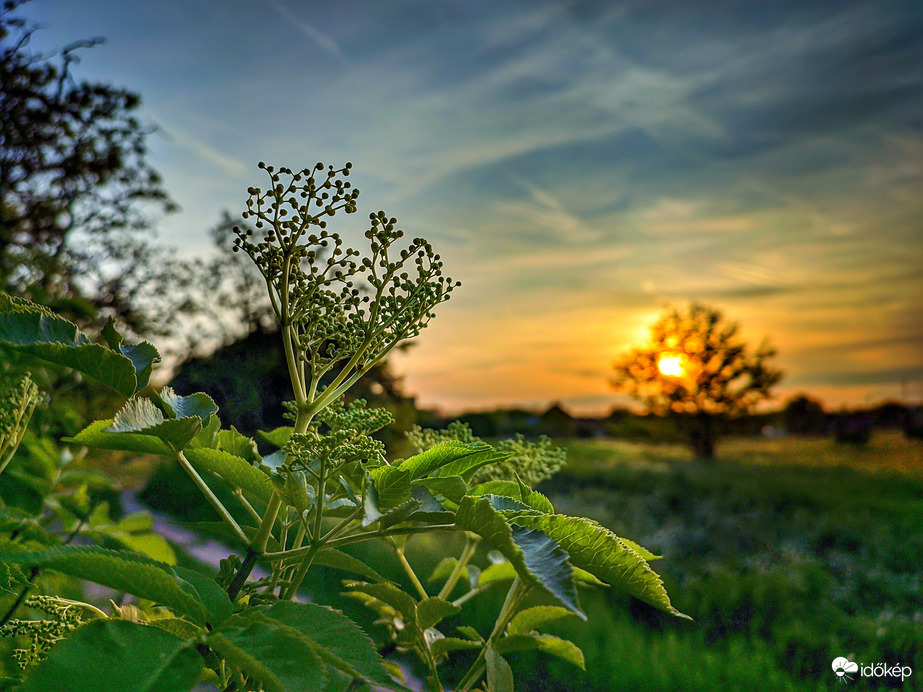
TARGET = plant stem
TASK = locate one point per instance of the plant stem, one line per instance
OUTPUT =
(513, 598)
(211, 497)
(471, 544)
(408, 569)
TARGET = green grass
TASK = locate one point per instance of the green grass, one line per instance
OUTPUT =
(786, 552)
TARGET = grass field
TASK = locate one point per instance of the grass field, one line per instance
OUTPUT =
(786, 552)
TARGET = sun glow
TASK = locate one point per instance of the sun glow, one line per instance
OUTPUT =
(671, 366)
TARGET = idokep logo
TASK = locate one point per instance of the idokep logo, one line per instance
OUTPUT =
(843, 666)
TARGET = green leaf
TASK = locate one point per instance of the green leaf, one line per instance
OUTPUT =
(451, 487)
(140, 416)
(446, 645)
(599, 551)
(518, 491)
(210, 594)
(480, 454)
(121, 571)
(547, 643)
(499, 673)
(118, 656)
(532, 618)
(94, 436)
(443, 454)
(393, 486)
(339, 641)
(641, 550)
(198, 405)
(431, 611)
(280, 658)
(402, 602)
(337, 559)
(234, 470)
(538, 559)
(278, 437)
(143, 356)
(471, 633)
(239, 445)
(445, 568)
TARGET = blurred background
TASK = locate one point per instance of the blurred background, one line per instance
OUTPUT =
(690, 240)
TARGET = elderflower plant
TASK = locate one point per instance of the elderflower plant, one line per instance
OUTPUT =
(339, 314)
(533, 461)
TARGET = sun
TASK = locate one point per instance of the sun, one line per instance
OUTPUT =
(671, 366)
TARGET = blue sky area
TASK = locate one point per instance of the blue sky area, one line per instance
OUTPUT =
(579, 165)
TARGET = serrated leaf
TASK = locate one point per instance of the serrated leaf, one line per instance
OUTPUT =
(443, 454)
(516, 490)
(599, 551)
(122, 571)
(93, 436)
(208, 437)
(34, 331)
(140, 416)
(432, 611)
(451, 487)
(233, 470)
(471, 633)
(238, 444)
(198, 405)
(532, 618)
(295, 491)
(393, 486)
(339, 641)
(641, 550)
(499, 673)
(337, 559)
(143, 356)
(281, 659)
(538, 559)
(562, 648)
(117, 656)
(446, 645)
(480, 455)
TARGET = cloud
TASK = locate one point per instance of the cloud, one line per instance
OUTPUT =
(323, 40)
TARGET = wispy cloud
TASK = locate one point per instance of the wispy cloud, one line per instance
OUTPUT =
(323, 40)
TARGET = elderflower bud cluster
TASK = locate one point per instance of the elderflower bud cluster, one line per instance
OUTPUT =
(340, 435)
(533, 461)
(340, 305)
(43, 634)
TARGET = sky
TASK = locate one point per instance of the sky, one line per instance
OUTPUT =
(578, 165)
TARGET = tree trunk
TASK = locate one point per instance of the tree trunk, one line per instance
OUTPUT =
(703, 437)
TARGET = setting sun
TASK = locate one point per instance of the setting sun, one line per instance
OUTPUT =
(671, 366)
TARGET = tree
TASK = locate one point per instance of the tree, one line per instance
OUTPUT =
(76, 189)
(697, 367)
(804, 416)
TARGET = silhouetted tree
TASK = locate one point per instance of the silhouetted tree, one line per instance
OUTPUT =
(75, 186)
(697, 367)
(804, 416)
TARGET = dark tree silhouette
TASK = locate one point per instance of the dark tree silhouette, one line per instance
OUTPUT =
(804, 416)
(76, 188)
(697, 367)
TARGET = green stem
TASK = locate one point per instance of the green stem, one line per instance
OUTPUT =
(471, 544)
(513, 598)
(408, 569)
(211, 497)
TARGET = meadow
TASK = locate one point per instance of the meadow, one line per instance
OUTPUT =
(787, 552)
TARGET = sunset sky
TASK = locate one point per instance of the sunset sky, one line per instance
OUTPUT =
(579, 165)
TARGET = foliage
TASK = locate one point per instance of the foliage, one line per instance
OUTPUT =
(326, 485)
(77, 191)
(697, 366)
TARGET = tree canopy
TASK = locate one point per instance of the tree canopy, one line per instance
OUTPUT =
(76, 188)
(697, 365)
